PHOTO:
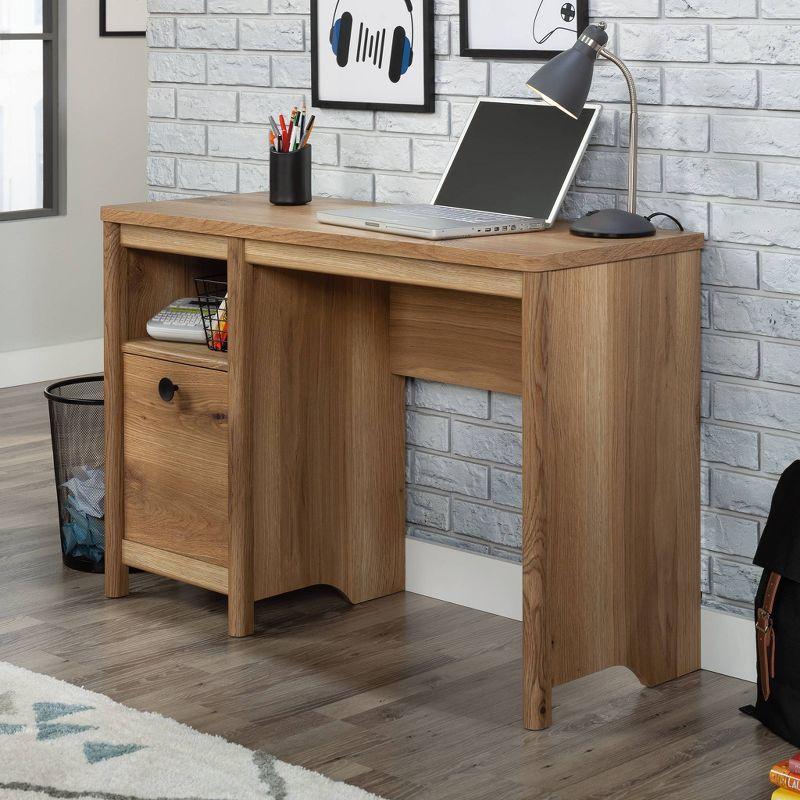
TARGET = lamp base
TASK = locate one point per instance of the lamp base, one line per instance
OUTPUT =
(613, 223)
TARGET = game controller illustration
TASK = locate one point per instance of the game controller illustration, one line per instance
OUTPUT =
(552, 16)
(370, 45)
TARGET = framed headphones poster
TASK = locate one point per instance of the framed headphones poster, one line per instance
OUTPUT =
(520, 28)
(372, 55)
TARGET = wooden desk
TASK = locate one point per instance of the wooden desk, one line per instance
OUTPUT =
(291, 474)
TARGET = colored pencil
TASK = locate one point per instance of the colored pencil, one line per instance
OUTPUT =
(274, 126)
(283, 127)
(309, 129)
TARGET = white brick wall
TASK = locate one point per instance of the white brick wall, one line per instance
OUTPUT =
(464, 457)
(719, 81)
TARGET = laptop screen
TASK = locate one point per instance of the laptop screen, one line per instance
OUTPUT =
(515, 158)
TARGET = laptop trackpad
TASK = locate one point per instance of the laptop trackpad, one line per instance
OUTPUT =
(427, 222)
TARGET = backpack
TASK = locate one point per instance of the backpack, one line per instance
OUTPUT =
(777, 613)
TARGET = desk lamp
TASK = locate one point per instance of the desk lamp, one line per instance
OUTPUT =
(564, 82)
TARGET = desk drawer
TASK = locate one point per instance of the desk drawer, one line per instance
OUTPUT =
(176, 459)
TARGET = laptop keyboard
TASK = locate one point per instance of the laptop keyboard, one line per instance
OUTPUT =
(459, 214)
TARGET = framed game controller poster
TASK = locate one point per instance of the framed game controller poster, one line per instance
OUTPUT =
(372, 56)
(521, 28)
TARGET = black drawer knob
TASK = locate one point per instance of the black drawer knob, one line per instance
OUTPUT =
(167, 389)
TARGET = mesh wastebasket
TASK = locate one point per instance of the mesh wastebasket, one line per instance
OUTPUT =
(76, 425)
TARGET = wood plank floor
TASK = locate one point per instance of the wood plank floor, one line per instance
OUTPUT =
(408, 697)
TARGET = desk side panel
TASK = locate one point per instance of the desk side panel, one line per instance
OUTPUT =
(611, 459)
(241, 594)
(661, 348)
(327, 436)
(115, 329)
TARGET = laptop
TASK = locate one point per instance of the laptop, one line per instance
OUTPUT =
(509, 173)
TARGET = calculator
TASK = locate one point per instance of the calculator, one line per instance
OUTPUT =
(180, 321)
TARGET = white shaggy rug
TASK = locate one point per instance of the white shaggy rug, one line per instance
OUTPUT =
(59, 741)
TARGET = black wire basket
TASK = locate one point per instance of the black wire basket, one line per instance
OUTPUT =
(212, 294)
(76, 426)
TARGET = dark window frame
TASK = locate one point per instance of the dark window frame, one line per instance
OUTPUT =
(49, 39)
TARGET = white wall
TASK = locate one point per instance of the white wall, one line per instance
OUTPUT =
(51, 268)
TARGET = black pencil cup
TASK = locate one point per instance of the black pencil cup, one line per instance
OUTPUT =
(290, 177)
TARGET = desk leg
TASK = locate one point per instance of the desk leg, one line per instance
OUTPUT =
(115, 327)
(611, 464)
(241, 597)
(328, 437)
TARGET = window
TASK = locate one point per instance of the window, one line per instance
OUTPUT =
(28, 108)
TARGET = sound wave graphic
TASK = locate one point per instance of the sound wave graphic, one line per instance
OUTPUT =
(371, 45)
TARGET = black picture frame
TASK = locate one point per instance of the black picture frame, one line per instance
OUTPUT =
(582, 9)
(428, 106)
(104, 24)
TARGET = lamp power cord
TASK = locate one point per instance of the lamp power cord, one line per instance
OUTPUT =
(668, 216)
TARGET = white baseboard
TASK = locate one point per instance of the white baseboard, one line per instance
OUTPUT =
(465, 579)
(728, 644)
(486, 584)
(19, 367)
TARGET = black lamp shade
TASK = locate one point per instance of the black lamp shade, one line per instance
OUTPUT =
(565, 80)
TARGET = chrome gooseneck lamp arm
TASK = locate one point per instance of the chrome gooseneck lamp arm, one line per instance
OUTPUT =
(564, 82)
(633, 137)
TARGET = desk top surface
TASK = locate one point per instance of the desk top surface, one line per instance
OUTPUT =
(250, 216)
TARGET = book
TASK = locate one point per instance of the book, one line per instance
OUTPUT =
(784, 794)
(783, 778)
(794, 763)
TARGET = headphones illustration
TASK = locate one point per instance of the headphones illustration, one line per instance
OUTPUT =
(371, 46)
